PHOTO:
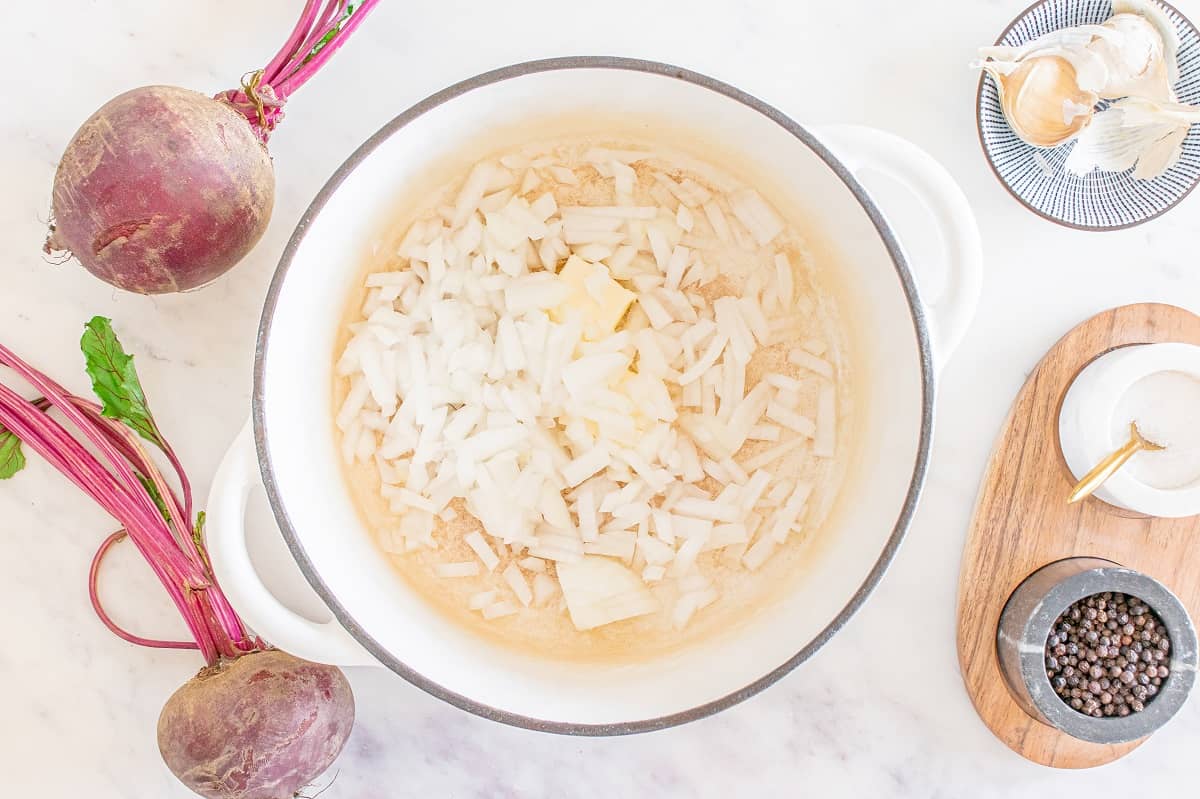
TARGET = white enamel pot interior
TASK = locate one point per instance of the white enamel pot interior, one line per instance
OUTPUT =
(377, 617)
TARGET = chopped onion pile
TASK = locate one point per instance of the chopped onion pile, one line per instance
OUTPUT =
(577, 375)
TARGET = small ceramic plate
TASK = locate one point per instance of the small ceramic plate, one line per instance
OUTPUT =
(1036, 177)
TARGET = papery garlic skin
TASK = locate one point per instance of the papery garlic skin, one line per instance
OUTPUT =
(1070, 44)
(1133, 132)
(1074, 110)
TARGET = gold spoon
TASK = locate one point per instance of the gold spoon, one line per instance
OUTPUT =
(1109, 466)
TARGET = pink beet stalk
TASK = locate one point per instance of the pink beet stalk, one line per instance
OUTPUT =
(110, 478)
(120, 632)
(322, 29)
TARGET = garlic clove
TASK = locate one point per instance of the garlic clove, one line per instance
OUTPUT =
(1140, 111)
(1042, 100)
(1135, 54)
(1156, 15)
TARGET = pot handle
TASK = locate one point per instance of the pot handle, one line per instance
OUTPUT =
(326, 642)
(952, 307)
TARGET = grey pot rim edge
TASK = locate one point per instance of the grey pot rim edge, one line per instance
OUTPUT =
(1170, 611)
(907, 283)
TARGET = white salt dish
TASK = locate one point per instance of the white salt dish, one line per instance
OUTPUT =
(1150, 384)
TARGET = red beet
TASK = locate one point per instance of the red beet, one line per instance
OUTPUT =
(163, 189)
(259, 727)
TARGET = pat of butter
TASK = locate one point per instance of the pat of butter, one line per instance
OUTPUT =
(601, 301)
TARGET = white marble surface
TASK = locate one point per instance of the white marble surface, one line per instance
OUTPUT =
(880, 712)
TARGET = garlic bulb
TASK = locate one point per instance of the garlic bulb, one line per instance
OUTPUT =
(1042, 100)
(1134, 132)
(1049, 88)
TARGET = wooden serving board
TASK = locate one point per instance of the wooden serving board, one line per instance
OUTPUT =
(1022, 522)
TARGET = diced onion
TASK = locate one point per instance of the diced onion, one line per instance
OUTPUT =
(759, 552)
(805, 359)
(707, 509)
(616, 546)
(763, 432)
(785, 416)
(600, 591)
(685, 558)
(789, 514)
(516, 581)
(576, 378)
(652, 574)
(481, 600)
(500, 609)
(585, 465)
(467, 569)
(480, 547)
(769, 456)
(544, 589)
(823, 445)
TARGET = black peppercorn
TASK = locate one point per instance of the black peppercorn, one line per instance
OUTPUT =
(1106, 655)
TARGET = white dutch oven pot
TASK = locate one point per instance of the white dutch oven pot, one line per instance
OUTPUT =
(292, 449)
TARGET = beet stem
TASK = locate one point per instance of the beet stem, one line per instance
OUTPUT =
(50, 440)
(321, 30)
(334, 11)
(168, 544)
(309, 67)
(94, 595)
(289, 49)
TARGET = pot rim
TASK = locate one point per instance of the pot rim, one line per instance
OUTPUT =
(312, 573)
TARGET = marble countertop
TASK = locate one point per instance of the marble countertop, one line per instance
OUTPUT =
(880, 712)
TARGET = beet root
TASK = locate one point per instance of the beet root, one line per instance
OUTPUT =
(259, 727)
(162, 189)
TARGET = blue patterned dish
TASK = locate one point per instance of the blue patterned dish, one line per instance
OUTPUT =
(1036, 177)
